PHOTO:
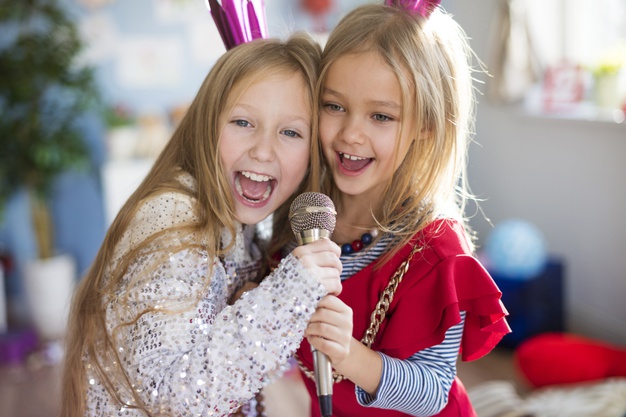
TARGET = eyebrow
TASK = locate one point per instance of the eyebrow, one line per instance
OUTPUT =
(384, 103)
(290, 117)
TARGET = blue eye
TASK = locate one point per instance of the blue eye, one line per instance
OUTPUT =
(333, 107)
(242, 123)
(381, 118)
(291, 133)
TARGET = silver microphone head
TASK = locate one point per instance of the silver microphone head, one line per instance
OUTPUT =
(312, 212)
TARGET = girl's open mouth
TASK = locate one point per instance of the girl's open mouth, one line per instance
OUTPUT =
(353, 162)
(254, 188)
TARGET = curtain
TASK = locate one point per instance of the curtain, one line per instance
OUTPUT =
(513, 61)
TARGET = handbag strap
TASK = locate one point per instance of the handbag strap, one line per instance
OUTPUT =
(377, 316)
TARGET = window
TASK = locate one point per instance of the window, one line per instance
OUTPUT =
(579, 31)
(581, 47)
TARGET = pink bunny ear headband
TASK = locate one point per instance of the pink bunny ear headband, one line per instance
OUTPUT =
(239, 21)
(422, 7)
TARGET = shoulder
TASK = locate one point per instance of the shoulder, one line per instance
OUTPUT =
(159, 212)
(169, 207)
(444, 237)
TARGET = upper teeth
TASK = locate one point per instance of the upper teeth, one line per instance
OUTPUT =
(256, 177)
(352, 157)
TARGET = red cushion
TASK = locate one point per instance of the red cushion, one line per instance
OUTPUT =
(560, 358)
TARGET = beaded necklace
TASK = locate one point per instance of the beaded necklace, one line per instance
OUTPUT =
(357, 245)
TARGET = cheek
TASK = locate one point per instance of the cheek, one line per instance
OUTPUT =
(227, 155)
(300, 159)
(326, 130)
(295, 163)
(404, 150)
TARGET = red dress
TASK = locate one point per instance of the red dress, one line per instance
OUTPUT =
(443, 280)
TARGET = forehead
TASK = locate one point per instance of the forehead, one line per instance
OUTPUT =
(275, 98)
(363, 74)
(272, 83)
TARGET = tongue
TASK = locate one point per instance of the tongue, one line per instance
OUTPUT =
(252, 190)
(352, 165)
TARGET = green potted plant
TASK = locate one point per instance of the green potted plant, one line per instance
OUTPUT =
(42, 92)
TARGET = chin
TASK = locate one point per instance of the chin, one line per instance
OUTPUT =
(248, 215)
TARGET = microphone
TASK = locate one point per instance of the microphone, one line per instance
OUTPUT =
(312, 216)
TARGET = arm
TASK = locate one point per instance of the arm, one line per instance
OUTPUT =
(418, 386)
(210, 357)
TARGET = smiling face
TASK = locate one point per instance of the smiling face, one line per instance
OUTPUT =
(360, 122)
(265, 143)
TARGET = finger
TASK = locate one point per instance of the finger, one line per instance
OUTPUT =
(325, 244)
(330, 302)
(334, 303)
(336, 352)
(332, 284)
(322, 245)
(334, 323)
(325, 259)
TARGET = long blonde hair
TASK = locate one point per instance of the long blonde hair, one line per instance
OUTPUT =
(193, 149)
(431, 59)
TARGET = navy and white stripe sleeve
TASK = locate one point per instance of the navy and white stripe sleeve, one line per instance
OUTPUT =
(419, 385)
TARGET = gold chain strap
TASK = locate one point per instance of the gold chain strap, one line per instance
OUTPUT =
(377, 317)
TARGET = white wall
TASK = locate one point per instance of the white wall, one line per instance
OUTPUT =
(568, 178)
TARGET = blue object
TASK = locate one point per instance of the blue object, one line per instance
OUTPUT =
(536, 305)
(516, 249)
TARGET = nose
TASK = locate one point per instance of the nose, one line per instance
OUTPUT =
(352, 131)
(263, 147)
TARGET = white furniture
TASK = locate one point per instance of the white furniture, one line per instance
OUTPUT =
(119, 180)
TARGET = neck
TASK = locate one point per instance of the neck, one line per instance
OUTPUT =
(354, 217)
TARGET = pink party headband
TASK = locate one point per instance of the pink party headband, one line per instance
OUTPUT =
(421, 7)
(239, 21)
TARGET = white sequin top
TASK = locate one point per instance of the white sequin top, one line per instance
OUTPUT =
(207, 360)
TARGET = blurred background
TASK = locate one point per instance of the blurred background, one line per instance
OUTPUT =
(547, 162)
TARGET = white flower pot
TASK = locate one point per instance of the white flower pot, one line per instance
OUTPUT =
(49, 284)
(607, 91)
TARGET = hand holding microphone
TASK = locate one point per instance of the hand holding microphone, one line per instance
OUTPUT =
(321, 258)
(312, 217)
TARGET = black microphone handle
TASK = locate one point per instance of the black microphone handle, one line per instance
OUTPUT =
(322, 368)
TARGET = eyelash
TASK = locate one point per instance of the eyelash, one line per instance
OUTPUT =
(293, 135)
(242, 123)
(378, 117)
(384, 117)
(287, 132)
(333, 107)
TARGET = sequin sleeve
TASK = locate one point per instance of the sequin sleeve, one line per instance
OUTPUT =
(209, 358)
